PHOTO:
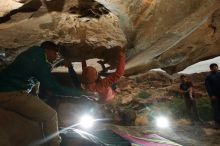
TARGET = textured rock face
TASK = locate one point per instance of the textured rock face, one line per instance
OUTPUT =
(63, 23)
(174, 35)
(10, 5)
(167, 34)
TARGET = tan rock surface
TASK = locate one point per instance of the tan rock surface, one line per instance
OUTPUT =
(167, 34)
(176, 39)
(10, 5)
(38, 21)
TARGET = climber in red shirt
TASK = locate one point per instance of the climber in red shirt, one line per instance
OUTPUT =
(93, 83)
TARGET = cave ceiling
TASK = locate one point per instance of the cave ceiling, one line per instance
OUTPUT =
(167, 34)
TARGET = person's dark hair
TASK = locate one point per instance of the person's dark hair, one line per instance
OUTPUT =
(50, 45)
(213, 65)
(182, 76)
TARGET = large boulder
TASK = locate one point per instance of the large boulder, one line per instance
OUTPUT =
(10, 5)
(85, 28)
(175, 35)
(166, 34)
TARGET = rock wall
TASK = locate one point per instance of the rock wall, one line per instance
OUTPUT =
(10, 5)
(156, 29)
(171, 26)
(63, 22)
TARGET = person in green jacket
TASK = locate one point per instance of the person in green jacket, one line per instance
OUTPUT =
(17, 80)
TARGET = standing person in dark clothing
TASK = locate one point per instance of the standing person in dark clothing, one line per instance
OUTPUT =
(18, 78)
(212, 84)
(186, 88)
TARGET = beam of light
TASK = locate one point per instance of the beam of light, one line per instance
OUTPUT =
(87, 121)
(72, 127)
(162, 122)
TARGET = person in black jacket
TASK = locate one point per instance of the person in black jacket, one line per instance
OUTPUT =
(212, 84)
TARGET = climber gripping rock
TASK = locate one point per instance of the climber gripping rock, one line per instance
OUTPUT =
(103, 87)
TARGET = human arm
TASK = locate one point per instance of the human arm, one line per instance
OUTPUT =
(190, 90)
(74, 76)
(114, 77)
(43, 74)
(191, 93)
(181, 91)
(72, 73)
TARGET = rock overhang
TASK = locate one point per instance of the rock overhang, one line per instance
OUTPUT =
(156, 34)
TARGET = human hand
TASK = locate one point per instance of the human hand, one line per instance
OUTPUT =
(112, 55)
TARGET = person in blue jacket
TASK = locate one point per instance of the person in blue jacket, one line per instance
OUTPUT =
(17, 80)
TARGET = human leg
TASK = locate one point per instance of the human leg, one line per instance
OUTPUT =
(33, 108)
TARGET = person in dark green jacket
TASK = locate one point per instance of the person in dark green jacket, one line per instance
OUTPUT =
(17, 80)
